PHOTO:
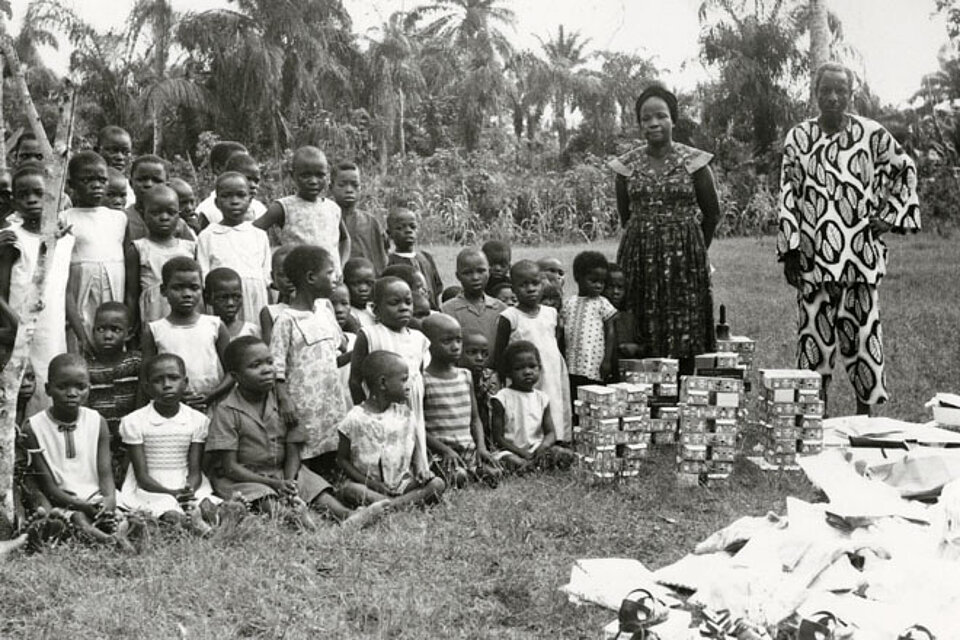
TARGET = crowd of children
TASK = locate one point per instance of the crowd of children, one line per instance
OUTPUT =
(187, 367)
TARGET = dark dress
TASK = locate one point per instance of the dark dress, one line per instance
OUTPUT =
(663, 254)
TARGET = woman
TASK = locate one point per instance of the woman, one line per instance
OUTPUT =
(669, 209)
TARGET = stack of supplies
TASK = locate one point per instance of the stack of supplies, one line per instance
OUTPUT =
(659, 377)
(711, 410)
(791, 415)
(614, 431)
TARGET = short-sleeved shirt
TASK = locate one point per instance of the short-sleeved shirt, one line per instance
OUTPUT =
(448, 409)
(367, 239)
(113, 387)
(583, 320)
(476, 317)
(382, 444)
(208, 207)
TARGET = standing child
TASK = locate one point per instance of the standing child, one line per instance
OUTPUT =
(454, 430)
(552, 270)
(359, 276)
(486, 383)
(305, 344)
(220, 154)
(115, 196)
(498, 258)
(531, 321)
(418, 286)
(244, 164)
(474, 309)
(589, 324)
(367, 238)
(149, 172)
(281, 284)
(379, 444)
(308, 217)
(403, 225)
(237, 244)
(340, 301)
(187, 202)
(199, 340)
(224, 295)
(145, 257)
(626, 325)
(393, 304)
(503, 291)
(115, 145)
(520, 415)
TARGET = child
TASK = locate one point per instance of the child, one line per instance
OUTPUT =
(498, 259)
(115, 145)
(223, 293)
(531, 321)
(148, 172)
(475, 358)
(340, 301)
(588, 324)
(27, 150)
(116, 194)
(199, 339)
(403, 226)
(503, 291)
(367, 238)
(259, 457)
(475, 310)
(244, 164)
(164, 441)
(308, 217)
(96, 266)
(454, 430)
(145, 257)
(552, 270)
(553, 297)
(6, 197)
(520, 415)
(418, 286)
(305, 343)
(220, 153)
(379, 444)
(449, 293)
(625, 324)
(393, 305)
(359, 276)
(187, 202)
(284, 288)
(114, 376)
(237, 244)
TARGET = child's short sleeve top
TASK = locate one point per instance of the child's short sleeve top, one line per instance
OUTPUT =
(381, 444)
(255, 432)
(317, 222)
(523, 416)
(448, 409)
(583, 320)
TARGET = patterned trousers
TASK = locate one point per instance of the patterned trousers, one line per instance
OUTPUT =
(845, 316)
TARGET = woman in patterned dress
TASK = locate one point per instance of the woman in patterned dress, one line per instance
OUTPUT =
(669, 209)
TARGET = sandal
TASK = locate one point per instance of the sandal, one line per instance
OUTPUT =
(638, 614)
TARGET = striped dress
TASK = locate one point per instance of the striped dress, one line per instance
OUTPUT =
(448, 409)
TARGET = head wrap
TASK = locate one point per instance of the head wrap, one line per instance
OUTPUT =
(659, 91)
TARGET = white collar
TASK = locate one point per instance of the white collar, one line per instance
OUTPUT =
(181, 418)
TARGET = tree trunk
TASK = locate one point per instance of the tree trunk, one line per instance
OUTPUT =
(819, 41)
(403, 135)
(156, 132)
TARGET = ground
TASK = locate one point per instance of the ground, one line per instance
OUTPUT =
(484, 564)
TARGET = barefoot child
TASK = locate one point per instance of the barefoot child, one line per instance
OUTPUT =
(588, 324)
(454, 430)
(378, 440)
(115, 196)
(474, 309)
(552, 270)
(359, 276)
(115, 146)
(403, 226)
(626, 325)
(145, 257)
(367, 238)
(499, 260)
(148, 172)
(224, 296)
(244, 164)
(220, 153)
(486, 383)
(283, 288)
(520, 416)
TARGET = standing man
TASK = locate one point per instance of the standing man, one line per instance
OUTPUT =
(845, 181)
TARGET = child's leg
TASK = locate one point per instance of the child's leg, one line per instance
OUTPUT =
(420, 494)
(557, 457)
(359, 494)
(329, 503)
(512, 462)
(85, 526)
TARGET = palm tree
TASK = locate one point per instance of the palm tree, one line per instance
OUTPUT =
(528, 92)
(819, 39)
(472, 24)
(626, 76)
(565, 56)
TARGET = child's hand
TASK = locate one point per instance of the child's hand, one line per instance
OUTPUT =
(184, 495)
(195, 401)
(606, 370)
(7, 238)
(490, 459)
(424, 477)
(452, 457)
(286, 487)
(287, 414)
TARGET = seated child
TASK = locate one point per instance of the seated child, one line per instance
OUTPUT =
(164, 442)
(378, 440)
(359, 276)
(520, 414)
(588, 324)
(454, 430)
(474, 309)
(244, 164)
(499, 262)
(220, 153)
(403, 226)
(367, 238)
(486, 383)
(187, 203)
(224, 295)
(552, 270)
(116, 194)
(503, 291)
(625, 322)
(283, 288)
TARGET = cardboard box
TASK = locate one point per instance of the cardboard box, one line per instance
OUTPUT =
(664, 437)
(789, 379)
(721, 360)
(737, 344)
(597, 394)
(693, 452)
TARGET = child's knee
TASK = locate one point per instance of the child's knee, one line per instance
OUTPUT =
(436, 486)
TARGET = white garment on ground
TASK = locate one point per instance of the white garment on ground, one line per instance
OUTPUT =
(523, 416)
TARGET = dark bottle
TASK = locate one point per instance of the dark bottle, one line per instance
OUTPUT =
(723, 329)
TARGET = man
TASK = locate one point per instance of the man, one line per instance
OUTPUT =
(845, 181)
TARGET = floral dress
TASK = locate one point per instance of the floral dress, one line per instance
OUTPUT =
(663, 254)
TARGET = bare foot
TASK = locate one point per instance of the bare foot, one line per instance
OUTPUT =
(9, 546)
(130, 534)
(365, 516)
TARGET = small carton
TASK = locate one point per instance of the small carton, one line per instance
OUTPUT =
(664, 438)
(721, 454)
(597, 394)
(719, 360)
(635, 451)
(737, 344)
(725, 399)
(631, 392)
(638, 437)
(663, 365)
(693, 452)
(789, 379)
(635, 423)
(692, 466)
(718, 439)
(693, 438)
(666, 390)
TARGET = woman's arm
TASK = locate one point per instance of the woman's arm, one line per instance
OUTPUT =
(623, 199)
(709, 202)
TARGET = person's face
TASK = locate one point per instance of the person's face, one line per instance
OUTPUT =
(116, 150)
(6, 192)
(233, 198)
(360, 285)
(552, 268)
(402, 230)
(161, 214)
(116, 195)
(507, 296)
(340, 301)
(499, 268)
(346, 188)
(28, 384)
(616, 288)
(29, 151)
(655, 121)
(256, 372)
(28, 197)
(323, 279)
(475, 352)
(280, 280)
(111, 329)
(447, 345)
(310, 174)
(68, 388)
(528, 288)
(525, 371)
(183, 291)
(395, 308)
(146, 176)
(473, 274)
(593, 282)
(252, 174)
(833, 93)
(395, 382)
(167, 383)
(552, 299)
(89, 184)
(186, 200)
(226, 299)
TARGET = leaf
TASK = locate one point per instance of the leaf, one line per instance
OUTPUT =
(825, 326)
(810, 355)
(831, 153)
(875, 348)
(847, 337)
(859, 167)
(864, 380)
(802, 139)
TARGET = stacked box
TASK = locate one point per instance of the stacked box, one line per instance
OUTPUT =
(746, 349)
(711, 410)
(790, 413)
(613, 436)
(659, 377)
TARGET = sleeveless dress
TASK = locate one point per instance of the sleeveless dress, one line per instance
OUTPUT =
(663, 254)
(97, 266)
(245, 249)
(153, 256)
(317, 222)
(197, 344)
(541, 330)
(71, 455)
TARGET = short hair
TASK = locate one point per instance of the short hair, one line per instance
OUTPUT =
(587, 261)
(496, 251)
(510, 354)
(221, 151)
(836, 67)
(433, 322)
(306, 152)
(521, 266)
(82, 159)
(218, 277)
(63, 361)
(304, 259)
(148, 158)
(470, 252)
(160, 358)
(240, 161)
(376, 363)
(613, 267)
(344, 166)
(451, 292)
(28, 169)
(280, 254)
(353, 265)
(475, 335)
(407, 273)
(115, 175)
(657, 90)
(395, 212)
(26, 136)
(111, 130)
(383, 283)
(233, 354)
(174, 183)
(112, 306)
(229, 175)
(500, 286)
(178, 264)
(158, 191)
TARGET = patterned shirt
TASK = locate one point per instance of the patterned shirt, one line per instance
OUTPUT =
(831, 186)
(113, 387)
(583, 320)
(448, 409)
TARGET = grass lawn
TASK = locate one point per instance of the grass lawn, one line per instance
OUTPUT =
(485, 564)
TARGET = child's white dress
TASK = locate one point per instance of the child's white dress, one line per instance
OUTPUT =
(541, 330)
(197, 344)
(414, 348)
(153, 256)
(382, 444)
(208, 207)
(246, 250)
(166, 447)
(97, 266)
(364, 317)
(316, 222)
(522, 417)
(71, 455)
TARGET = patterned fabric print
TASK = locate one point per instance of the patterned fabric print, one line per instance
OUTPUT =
(583, 328)
(663, 255)
(113, 394)
(847, 317)
(382, 444)
(831, 186)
